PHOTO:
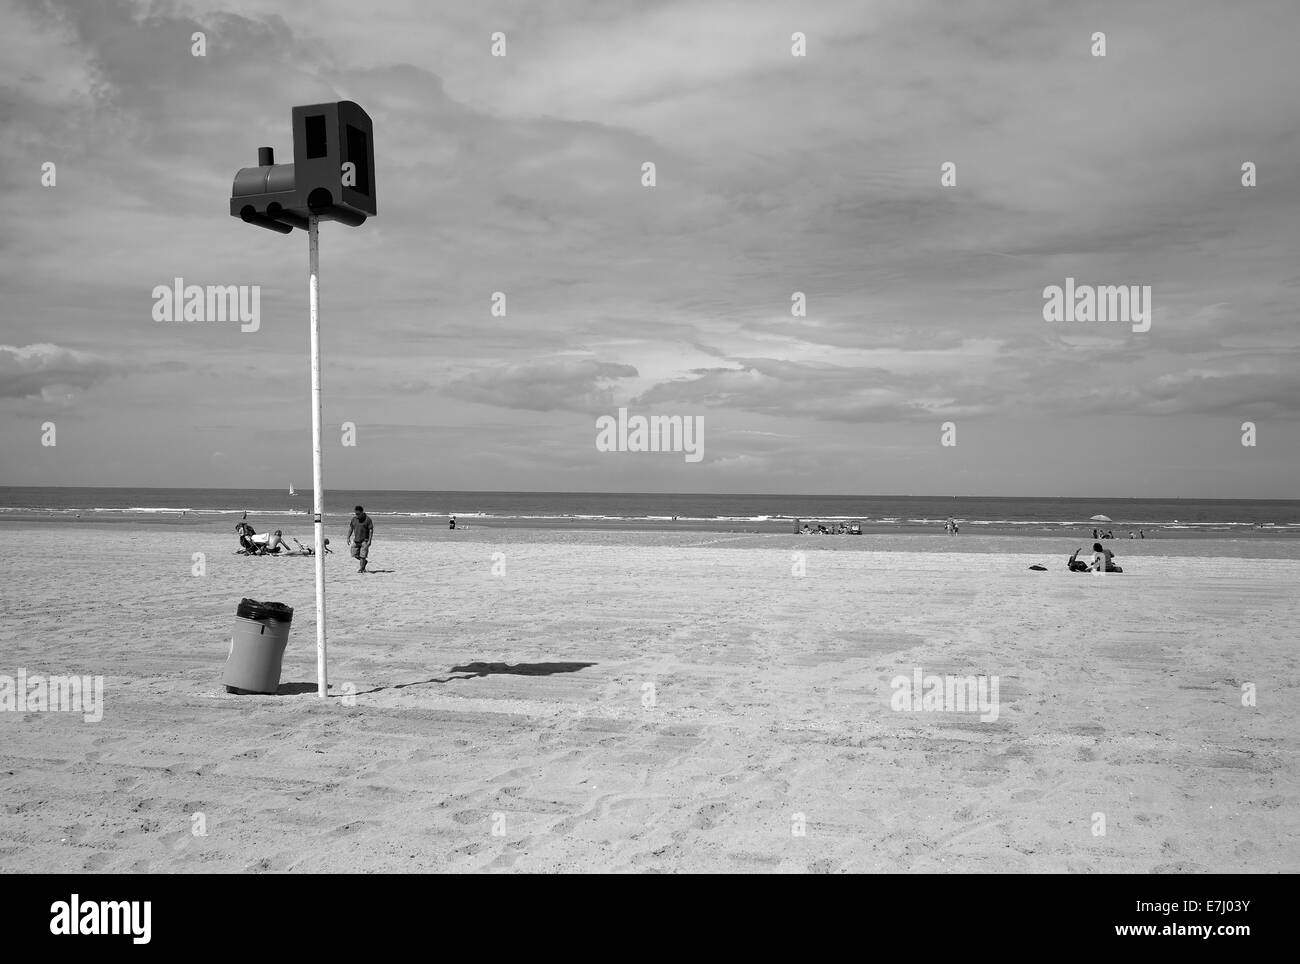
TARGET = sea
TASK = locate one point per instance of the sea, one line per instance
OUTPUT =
(644, 510)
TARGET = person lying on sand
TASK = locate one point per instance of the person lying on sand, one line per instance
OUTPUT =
(308, 550)
(267, 543)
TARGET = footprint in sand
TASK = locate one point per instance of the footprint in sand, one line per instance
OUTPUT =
(706, 818)
(824, 865)
(97, 861)
(1181, 867)
(350, 828)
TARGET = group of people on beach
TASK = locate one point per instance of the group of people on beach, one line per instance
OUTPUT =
(253, 543)
(361, 532)
(1101, 560)
(834, 529)
(1110, 534)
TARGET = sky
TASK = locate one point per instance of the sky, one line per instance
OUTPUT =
(774, 174)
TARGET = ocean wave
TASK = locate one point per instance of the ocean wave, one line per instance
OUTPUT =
(341, 513)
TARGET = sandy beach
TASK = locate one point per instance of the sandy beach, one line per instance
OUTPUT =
(634, 701)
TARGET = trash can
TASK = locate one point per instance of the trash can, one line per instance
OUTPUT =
(257, 647)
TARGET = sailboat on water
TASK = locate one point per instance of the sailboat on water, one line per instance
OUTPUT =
(291, 488)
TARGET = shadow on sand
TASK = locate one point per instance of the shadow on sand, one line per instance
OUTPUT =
(475, 671)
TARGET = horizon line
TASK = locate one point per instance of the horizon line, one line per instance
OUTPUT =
(755, 495)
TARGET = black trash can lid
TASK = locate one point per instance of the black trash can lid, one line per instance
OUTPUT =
(252, 609)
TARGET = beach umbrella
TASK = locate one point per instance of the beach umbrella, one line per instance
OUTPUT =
(1101, 518)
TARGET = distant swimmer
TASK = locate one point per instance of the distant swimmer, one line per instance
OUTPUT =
(360, 533)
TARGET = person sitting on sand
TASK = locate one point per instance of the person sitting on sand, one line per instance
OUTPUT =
(1074, 563)
(1102, 558)
(276, 543)
(452, 523)
(246, 534)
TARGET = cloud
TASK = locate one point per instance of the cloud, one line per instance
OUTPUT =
(580, 385)
(522, 174)
(46, 371)
(824, 392)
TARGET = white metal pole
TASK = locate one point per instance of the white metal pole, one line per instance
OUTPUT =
(318, 498)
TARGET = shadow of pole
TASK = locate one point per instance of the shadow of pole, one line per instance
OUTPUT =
(478, 670)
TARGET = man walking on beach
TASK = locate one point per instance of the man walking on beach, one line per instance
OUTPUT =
(360, 531)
